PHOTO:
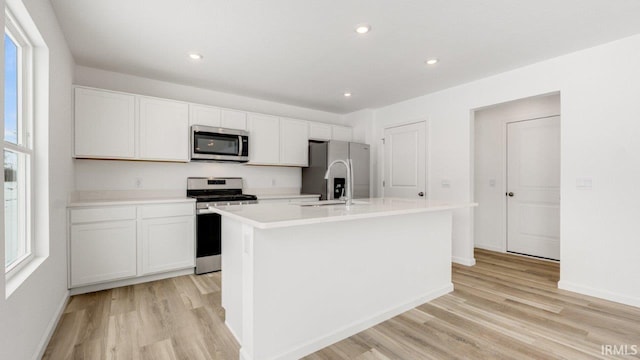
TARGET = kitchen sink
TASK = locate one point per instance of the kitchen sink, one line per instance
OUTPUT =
(320, 203)
(329, 202)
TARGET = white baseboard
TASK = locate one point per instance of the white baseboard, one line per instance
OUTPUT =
(131, 281)
(51, 327)
(244, 355)
(602, 294)
(356, 327)
(490, 248)
(232, 332)
(463, 261)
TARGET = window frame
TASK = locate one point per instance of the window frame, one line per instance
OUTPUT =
(25, 143)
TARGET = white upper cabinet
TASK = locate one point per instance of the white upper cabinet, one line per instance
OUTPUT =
(104, 124)
(278, 141)
(319, 131)
(113, 125)
(205, 115)
(342, 133)
(294, 142)
(234, 119)
(164, 129)
(264, 139)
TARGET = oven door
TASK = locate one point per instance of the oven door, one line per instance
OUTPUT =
(219, 144)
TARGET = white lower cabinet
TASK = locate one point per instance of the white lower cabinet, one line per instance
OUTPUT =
(102, 252)
(167, 244)
(111, 243)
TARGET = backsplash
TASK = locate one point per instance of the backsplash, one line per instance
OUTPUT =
(113, 175)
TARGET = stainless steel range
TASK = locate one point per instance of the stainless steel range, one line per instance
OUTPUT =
(209, 193)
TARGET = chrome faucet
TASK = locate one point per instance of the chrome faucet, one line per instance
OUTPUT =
(349, 181)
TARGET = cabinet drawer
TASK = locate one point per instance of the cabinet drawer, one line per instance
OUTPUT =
(111, 213)
(166, 210)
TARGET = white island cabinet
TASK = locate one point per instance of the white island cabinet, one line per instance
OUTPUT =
(298, 278)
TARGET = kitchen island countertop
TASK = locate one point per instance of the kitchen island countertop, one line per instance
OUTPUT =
(268, 216)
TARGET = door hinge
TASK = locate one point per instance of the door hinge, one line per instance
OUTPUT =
(382, 141)
(383, 183)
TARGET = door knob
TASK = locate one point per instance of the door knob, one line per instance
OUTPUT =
(420, 193)
(510, 194)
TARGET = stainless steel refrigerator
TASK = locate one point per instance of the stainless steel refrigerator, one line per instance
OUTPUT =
(321, 154)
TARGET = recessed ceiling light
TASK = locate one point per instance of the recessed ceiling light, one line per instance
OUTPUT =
(195, 56)
(347, 94)
(432, 61)
(363, 28)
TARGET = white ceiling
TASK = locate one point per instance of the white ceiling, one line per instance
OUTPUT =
(306, 53)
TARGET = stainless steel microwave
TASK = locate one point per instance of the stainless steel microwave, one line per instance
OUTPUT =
(219, 144)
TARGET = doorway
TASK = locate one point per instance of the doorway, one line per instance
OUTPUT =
(533, 187)
(517, 152)
(405, 149)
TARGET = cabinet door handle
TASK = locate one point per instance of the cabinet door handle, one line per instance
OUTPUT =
(510, 194)
(420, 193)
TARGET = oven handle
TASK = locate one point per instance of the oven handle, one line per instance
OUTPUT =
(241, 146)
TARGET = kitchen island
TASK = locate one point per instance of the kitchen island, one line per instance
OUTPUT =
(298, 278)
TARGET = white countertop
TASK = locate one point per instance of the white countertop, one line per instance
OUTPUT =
(268, 216)
(129, 201)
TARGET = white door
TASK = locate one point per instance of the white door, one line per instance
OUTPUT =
(533, 187)
(405, 161)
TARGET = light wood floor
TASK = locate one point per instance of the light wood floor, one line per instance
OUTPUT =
(505, 307)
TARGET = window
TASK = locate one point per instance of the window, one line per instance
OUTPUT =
(17, 147)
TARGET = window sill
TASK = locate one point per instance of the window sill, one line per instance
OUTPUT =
(13, 283)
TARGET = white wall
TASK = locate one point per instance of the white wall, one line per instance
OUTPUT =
(29, 314)
(490, 168)
(94, 175)
(600, 89)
